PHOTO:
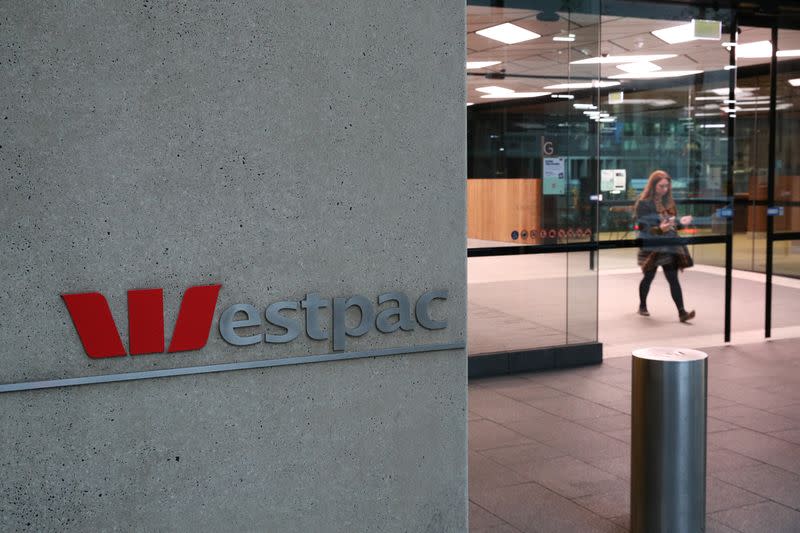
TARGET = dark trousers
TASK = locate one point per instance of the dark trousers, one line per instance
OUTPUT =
(671, 273)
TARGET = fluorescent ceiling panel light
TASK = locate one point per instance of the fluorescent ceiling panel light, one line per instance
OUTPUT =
(641, 66)
(584, 85)
(655, 75)
(729, 67)
(712, 126)
(622, 59)
(470, 103)
(676, 34)
(779, 107)
(508, 33)
(481, 64)
(756, 50)
(704, 98)
(655, 102)
(728, 44)
(568, 37)
(706, 114)
(795, 82)
(788, 53)
(584, 106)
(563, 96)
(709, 30)
(738, 91)
(607, 119)
(494, 89)
(515, 95)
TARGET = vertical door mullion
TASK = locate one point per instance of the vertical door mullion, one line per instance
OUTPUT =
(773, 115)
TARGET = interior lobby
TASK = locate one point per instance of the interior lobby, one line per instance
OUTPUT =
(606, 94)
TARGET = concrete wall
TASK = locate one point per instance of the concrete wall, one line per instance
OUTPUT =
(277, 149)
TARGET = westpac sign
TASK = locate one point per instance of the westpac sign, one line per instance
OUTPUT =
(100, 337)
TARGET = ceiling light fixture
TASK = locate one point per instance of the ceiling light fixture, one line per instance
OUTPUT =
(494, 89)
(655, 75)
(583, 85)
(795, 82)
(709, 30)
(641, 66)
(738, 91)
(481, 64)
(513, 94)
(508, 33)
(584, 106)
(755, 50)
(563, 96)
(564, 37)
(622, 59)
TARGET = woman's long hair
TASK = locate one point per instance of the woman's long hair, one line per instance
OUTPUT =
(667, 203)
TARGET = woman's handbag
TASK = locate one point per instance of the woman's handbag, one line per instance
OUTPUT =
(682, 257)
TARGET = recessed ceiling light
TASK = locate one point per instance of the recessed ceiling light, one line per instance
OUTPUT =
(762, 50)
(584, 106)
(712, 126)
(696, 29)
(515, 95)
(641, 66)
(676, 34)
(564, 37)
(756, 50)
(563, 96)
(795, 82)
(508, 33)
(583, 85)
(655, 75)
(481, 64)
(494, 89)
(738, 91)
(621, 59)
(655, 102)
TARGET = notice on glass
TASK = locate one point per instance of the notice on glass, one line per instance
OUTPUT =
(554, 181)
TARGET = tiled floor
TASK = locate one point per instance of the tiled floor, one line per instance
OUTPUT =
(550, 452)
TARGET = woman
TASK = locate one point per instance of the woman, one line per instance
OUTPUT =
(655, 214)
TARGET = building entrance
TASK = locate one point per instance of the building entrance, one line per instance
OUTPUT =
(568, 115)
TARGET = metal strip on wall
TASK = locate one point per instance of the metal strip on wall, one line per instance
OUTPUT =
(227, 367)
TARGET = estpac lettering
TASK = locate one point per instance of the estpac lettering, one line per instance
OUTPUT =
(388, 320)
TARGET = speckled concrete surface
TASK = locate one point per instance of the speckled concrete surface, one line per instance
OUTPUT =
(277, 149)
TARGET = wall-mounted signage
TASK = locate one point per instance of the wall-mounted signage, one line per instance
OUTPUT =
(553, 175)
(242, 325)
(100, 338)
(613, 180)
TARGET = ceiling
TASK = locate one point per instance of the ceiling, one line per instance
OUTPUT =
(542, 62)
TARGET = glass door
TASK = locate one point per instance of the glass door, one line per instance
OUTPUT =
(766, 181)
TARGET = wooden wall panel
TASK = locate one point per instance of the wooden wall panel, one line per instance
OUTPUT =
(496, 207)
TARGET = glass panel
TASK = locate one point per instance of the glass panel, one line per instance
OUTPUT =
(532, 159)
(531, 153)
(516, 302)
(751, 156)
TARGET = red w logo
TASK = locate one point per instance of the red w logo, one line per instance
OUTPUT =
(98, 333)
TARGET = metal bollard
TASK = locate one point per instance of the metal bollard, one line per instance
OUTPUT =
(668, 440)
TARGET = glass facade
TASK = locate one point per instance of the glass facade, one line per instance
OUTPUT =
(568, 118)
